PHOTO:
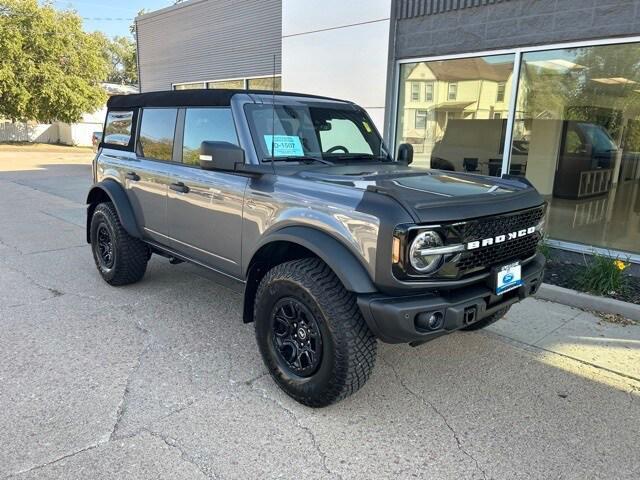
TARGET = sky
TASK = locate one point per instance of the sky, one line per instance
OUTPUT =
(112, 17)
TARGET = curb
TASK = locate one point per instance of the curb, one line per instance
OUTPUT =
(584, 301)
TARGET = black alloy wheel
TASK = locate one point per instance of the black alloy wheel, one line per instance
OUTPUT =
(105, 253)
(296, 337)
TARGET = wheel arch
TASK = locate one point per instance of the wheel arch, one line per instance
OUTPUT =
(112, 191)
(291, 243)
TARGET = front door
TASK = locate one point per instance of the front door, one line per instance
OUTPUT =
(204, 208)
(147, 178)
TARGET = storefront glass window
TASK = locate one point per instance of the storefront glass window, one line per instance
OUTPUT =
(189, 86)
(265, 83)
(453, 112)
(232, 84)
(577, 139)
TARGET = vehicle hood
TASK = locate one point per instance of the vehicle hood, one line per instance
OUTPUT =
(432, 195)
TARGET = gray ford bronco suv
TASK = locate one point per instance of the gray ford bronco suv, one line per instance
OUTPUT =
(334, 243)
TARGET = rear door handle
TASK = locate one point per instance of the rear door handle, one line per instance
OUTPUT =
(133, 176)
(179, 187)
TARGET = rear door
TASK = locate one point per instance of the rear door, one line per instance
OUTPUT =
(148, 179)
(204, 208)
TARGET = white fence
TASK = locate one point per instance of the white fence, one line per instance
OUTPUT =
(65, 133)
(23, 132)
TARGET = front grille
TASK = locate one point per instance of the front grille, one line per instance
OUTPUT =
(517, 249)
(492, 226)
(520, 248)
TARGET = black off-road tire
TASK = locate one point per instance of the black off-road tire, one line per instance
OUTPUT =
(485, 322)
(130, 255)
(348, 346)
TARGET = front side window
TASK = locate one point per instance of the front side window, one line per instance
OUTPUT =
(117, 130)
(332, 133)
(206, 125)
(157, 129)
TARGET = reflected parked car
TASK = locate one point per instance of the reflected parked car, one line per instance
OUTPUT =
(585, 162)
(476, 146)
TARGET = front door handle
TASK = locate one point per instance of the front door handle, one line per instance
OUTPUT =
(133, 176)
(179, 187)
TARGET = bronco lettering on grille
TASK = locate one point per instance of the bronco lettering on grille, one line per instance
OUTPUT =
(485, 242)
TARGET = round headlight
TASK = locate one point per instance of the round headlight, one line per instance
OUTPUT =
(425, 263)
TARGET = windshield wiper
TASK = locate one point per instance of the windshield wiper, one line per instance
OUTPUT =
(360, 156)
(293, 158)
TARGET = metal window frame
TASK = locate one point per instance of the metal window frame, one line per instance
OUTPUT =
(517, 52)
(244, 80)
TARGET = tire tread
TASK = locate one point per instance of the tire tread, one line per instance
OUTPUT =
(356, 346)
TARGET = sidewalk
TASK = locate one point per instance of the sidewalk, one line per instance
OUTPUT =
(575, 334)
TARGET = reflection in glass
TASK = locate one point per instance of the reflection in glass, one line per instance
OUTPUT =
(206, 124)
(189, 86)
(118, 128)
(265, 83)
(232, 84)
(453, 112)
(577, 139)
(156, 133)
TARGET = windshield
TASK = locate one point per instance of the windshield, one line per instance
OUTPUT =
(330, 133)
(598, 137)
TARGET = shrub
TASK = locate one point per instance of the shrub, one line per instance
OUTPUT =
(602, 275)
(544, 249)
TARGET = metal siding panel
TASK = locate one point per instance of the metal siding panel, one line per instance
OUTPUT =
(209, 40)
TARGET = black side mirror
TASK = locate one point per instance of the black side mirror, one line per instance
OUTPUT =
(220, 156)
(405, 153)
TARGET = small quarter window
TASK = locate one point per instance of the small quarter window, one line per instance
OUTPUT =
(156, 133)
(206, 125)
(117, 130)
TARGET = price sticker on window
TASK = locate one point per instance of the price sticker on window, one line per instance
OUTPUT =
(284, 145)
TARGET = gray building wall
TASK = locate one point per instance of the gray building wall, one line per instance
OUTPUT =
(439, 27)
(204, 40)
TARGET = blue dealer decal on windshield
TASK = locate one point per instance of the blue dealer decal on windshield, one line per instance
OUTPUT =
(284, 145)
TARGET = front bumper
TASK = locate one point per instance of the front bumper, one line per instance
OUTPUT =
(392, 319)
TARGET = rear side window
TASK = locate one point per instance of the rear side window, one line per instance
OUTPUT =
(117, 130)
(157, 129)
(206, 124)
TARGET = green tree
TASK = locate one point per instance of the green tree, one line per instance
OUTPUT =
(120, 54)
(50, 69)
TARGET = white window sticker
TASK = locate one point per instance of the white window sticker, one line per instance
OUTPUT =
(284, 145)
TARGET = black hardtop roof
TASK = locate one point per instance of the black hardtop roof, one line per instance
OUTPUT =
(193, 98)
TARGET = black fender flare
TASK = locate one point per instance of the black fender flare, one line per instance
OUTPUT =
(339, 258)
(116, 194)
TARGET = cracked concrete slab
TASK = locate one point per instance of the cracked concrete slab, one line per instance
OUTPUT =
(64, 364)
(144, 456)
(163, 380)
(522, 416)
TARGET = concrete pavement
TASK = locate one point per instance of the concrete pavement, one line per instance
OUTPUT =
(162, 380)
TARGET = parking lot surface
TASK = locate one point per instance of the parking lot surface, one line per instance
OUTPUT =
(163, 380)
